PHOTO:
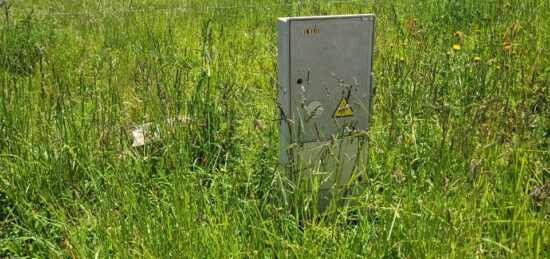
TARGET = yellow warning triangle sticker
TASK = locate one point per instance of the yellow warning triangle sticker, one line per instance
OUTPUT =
(343, 109)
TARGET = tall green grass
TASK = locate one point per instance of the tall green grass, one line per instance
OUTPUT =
(459, 138)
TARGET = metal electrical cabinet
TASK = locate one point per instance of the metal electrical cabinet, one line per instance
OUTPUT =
(325, 77)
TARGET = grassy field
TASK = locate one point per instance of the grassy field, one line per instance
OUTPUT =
(460, 134)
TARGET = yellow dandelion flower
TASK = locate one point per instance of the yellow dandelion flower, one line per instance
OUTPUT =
(477, 59)
(449, 53)
(506, 46)
(457, 47)
(459, 34)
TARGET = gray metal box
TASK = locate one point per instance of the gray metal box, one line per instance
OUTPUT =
(325, 76)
